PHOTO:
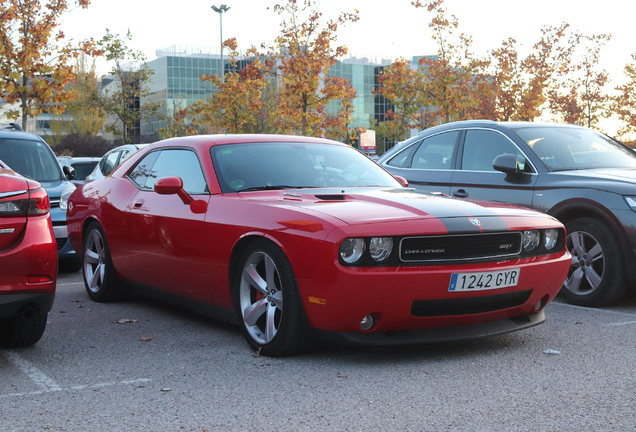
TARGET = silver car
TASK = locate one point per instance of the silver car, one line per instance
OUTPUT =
(112, 159)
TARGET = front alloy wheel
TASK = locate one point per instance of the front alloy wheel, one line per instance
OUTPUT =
(267, 301)
(261, 297)
(597, 272)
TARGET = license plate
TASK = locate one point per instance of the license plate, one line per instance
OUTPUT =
(484, 280)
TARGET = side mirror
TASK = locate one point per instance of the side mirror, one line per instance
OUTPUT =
(404, 182)
(69, 172)
(171, 186)
(506, 163)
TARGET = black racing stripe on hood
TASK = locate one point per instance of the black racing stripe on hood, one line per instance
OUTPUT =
(464, 224)
(439, 207)
(455, 214)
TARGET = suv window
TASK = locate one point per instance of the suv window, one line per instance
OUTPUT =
(481, 147)
(31, 158)
(436, 152)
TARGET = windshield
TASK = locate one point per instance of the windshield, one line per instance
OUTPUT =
(31, 158)
(262, 166)
(565, 148)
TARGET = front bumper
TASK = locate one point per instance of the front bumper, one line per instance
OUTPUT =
(417, 299)
(431, 335)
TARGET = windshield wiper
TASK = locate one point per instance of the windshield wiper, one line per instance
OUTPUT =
(273, 187)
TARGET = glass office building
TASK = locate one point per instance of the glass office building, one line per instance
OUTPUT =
(176, 83)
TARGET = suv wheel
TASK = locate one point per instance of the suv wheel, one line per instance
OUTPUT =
(597, 272)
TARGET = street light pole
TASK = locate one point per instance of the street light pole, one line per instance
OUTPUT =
(220, 10)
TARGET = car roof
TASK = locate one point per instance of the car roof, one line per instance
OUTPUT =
(11, 133)
(206, 140)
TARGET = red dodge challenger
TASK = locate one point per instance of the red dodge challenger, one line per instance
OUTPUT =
(296, 238)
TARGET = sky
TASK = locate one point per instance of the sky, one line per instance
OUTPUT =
(386, 29)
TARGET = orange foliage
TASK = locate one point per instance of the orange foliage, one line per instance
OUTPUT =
(34, 62)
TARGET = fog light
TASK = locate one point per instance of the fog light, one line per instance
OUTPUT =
(542, 303)
(366, 323)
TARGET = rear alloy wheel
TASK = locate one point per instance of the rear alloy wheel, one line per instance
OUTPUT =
(100, 279)
(267, 301)
(597, 271)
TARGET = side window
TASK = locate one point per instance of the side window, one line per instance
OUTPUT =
(143, 170)
(125, 154)
(436, 152)
(402, 158)
(109, 163)
(481, 147)
(180, 163)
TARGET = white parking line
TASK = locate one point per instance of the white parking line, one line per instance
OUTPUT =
(38, 377)
(47, 384)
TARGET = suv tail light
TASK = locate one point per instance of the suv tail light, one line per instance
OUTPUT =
(22, 204)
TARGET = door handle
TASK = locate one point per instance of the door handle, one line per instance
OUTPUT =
(460, 193)
(138, 204)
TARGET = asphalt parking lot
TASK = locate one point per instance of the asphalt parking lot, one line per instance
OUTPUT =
(143, 365)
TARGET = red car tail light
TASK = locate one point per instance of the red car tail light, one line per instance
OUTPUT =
(19, 203)
(39, 202)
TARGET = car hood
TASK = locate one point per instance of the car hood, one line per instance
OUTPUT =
(355, 206)
(622, 181)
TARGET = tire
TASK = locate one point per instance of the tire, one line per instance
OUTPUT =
(100, 278)
(23, 331)
(264, 282)
(597, 275)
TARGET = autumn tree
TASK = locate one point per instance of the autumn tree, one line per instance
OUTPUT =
(405, 88)
(34, 60)
(624, 103)
(455, 78)
(242, 102)
(580, 97)
(521, 86)
(130, 77)
(336, 126)
(83, 115)
(304, 52)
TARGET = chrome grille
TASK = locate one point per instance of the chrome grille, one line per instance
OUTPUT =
(460, 247)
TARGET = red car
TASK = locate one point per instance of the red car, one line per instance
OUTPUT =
(297, 238)
(28, 259)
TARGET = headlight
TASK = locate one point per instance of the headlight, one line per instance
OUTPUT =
(351, 250)
(380, 248)
(631, 202)
(64, 196)
(551, 238)
(530, 240)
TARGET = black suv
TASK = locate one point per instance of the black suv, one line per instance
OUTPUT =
(31, 157)
(582, 177)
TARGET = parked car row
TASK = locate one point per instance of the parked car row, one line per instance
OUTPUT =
(297, 238)
(34, 191)
(31, 157)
